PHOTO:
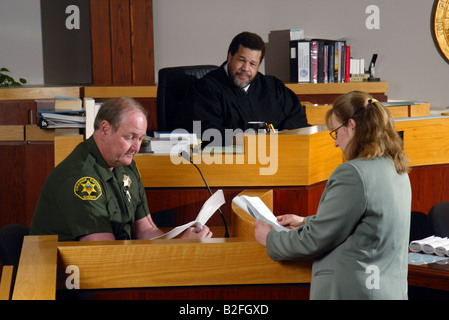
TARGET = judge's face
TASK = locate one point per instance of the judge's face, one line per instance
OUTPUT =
(243, 66)
(119, 147)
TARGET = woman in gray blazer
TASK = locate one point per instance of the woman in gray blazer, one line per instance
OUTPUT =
(358, 238)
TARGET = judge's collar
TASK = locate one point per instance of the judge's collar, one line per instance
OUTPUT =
(244, 88)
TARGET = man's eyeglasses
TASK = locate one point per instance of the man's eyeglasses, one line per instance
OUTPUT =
(333, 133)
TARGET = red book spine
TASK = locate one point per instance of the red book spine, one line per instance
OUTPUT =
(348, 64)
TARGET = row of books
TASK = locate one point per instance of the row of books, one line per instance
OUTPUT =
(323, 61)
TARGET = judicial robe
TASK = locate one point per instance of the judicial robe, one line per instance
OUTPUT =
(218, 103)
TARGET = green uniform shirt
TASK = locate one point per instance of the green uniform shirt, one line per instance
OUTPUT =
(83, 196)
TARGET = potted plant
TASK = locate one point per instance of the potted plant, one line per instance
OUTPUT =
(7, 81)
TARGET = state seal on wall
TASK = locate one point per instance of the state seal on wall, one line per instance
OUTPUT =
(440, 28)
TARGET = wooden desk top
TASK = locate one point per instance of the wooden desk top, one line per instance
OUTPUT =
(433, 275)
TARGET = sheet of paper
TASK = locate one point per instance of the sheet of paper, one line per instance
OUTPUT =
(207, 210)
(258, 210)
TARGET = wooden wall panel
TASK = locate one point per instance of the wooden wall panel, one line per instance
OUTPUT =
(12, 195)
(430, 185)
(101, 42)
(122, 42)
(28, 164)
(330, 98)
(142, 42)
(38, 165)
(16, 112)
(151, 108)
(252, 292)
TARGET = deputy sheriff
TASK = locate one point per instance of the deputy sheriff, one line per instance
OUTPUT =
(96, 193)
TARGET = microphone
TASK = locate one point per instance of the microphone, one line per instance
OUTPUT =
(186, 156)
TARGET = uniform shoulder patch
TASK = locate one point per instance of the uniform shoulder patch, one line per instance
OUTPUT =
(87, 188)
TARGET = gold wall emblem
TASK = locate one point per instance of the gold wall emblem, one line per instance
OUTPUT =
(441, 26)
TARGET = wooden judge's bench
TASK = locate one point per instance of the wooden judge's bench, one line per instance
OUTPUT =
(287, 170)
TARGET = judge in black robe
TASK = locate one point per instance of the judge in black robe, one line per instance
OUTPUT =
(221, 103)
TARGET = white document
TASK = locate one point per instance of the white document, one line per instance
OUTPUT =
(207, 210)
(256, 208)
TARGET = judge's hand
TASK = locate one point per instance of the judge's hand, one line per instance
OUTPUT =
(261, 231)
(197, 233)
(291, 221)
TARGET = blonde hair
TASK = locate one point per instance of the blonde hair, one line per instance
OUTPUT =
(375, 134)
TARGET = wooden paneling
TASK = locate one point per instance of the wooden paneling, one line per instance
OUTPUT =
(12, 132)
(425, 140)
(278, 292)
(143, 39)
(326, 93)
(7, 274)
(316, 114)
(267, 161)
(16, 112)
(28, 164)
(37, 93)
(122, 42)
(101, 42)
(100, 92)
(36, 278)
(151, 108)
(430, 185)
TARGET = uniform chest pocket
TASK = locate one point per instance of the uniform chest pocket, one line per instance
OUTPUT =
(114, 210)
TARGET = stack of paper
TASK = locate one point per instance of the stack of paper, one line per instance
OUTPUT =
(68, 113)
(169, 143)
(165, 146)
(49, 119)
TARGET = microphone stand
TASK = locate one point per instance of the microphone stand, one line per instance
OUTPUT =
(187, 157)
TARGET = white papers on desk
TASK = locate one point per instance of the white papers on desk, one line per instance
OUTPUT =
(207, 210)
(255, 207)
(431, 245)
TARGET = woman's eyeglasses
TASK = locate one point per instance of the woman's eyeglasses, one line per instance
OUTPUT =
(333, 133)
